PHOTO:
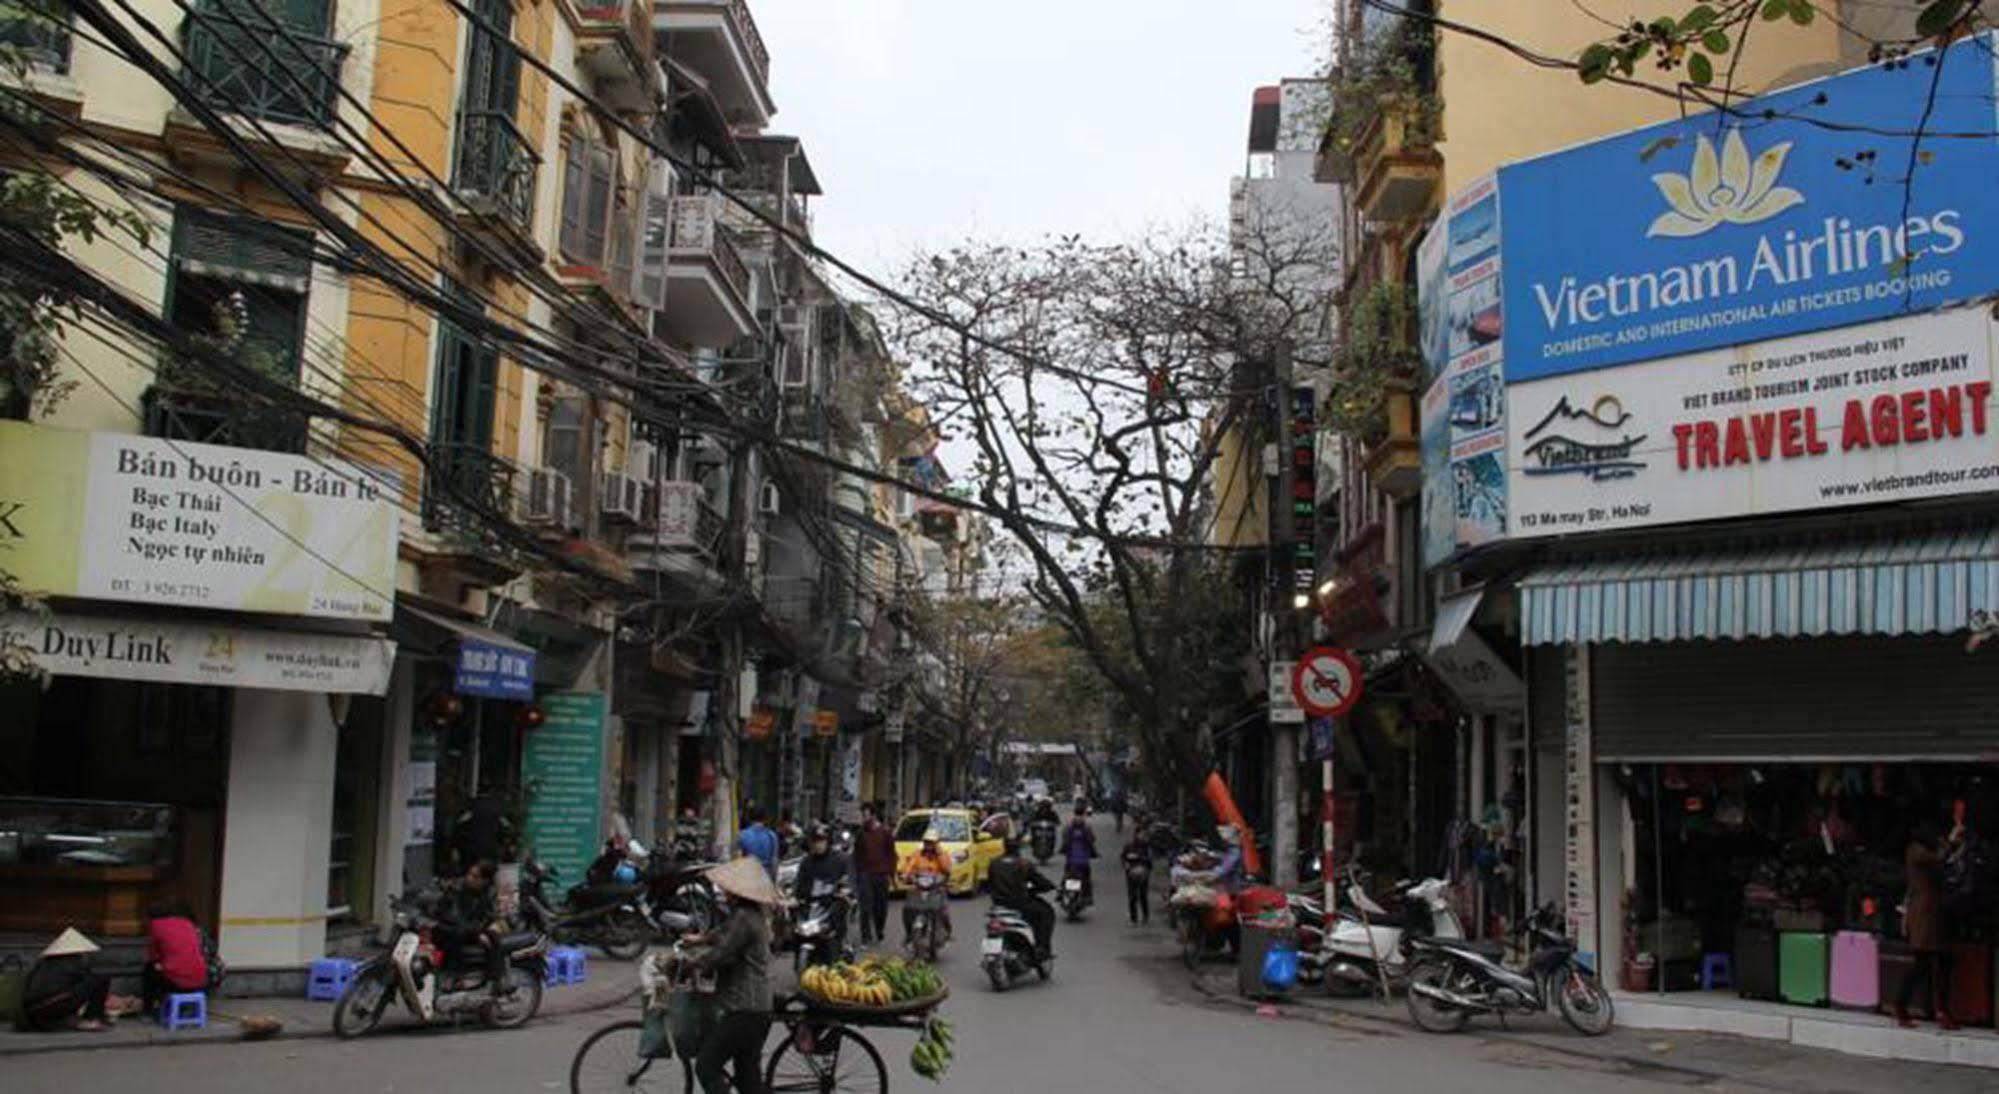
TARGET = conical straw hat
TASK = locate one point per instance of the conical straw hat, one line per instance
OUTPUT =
(70, 941)
(744, 878)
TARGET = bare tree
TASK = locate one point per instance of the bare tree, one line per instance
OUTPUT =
(1093, 385)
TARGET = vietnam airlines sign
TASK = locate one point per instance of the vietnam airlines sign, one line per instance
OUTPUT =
(1789, 214)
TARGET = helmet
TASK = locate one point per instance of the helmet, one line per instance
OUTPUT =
(626, 874)
(1011, 841)
(817, 832)
(932, 835)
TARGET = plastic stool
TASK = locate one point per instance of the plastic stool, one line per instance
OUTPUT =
(329, 978)
(185, 1010)
(1717, 971)
(565, 966)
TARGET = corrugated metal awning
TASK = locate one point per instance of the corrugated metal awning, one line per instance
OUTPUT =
(1925, 583)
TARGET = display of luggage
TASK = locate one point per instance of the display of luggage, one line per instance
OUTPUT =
(1971, 983)
(1855, 979)
(1755, 963)
(1896, 962)
(1802, 958)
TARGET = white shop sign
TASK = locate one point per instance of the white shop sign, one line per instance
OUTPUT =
(1879, 412)
(191, 653)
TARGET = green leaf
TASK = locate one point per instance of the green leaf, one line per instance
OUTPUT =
(1700, 70)
(1937, 19)
(1774, 10)
(1665, 26)
(1802, 12)
(1715, 41)
(1697, 20)
(1594, 64)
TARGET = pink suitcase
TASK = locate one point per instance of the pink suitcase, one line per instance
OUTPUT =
(1856, 970)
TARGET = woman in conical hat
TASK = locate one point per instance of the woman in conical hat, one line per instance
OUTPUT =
(738, 953)
(62, 991)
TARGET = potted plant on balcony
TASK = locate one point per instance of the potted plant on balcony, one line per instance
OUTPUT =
(1372, 394)
(1384, 83)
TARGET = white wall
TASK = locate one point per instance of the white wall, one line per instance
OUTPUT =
(277, 829)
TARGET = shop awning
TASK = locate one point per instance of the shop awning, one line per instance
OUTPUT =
(1453, 616)
(1918, 583)
(1466, 663)
(489, 664)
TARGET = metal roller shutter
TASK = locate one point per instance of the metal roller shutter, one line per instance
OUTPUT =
(1823, 699)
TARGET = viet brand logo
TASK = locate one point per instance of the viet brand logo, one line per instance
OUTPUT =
(10, 517)
(1599, 459)
(1724, 189)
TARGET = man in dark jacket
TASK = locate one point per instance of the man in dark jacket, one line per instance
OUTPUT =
(874, 854)
(465, 914)
(821, 873)
(1016, 884)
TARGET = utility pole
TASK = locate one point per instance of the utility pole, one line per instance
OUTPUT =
(731, 556)
(1286, 640)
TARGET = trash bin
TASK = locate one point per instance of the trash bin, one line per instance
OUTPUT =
(1257, 942)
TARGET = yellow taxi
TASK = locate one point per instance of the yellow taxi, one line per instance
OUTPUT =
(972, 851)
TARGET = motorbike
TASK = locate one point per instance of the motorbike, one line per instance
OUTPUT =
(1008, 952)
(1355, 952)
(678, 898)
(1041, 834)
(922, 914)
(1074, 898)
(1451, 979)
(435, 985)
(610, 917)
(814, 934)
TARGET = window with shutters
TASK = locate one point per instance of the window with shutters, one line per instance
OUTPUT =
(655, 236)
(39, 30)
(494, 159)
(589, 181)
(242, 285)
(467, 487)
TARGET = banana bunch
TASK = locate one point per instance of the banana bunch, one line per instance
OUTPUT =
(931, 1057)
(847, 984)
(906, 979)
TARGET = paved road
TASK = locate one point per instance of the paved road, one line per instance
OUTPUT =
(1120, 1017)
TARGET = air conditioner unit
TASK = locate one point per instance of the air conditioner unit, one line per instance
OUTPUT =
(549, 498)
(769, 499)
(641, 463)
(620, 497)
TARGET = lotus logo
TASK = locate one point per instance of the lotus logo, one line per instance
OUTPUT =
(1728, 189)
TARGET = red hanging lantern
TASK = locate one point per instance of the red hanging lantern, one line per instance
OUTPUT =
(706, 782)
(532, 716)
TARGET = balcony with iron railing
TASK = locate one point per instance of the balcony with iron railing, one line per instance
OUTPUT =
(615, 42)
(38, 30)
(242, 61)
(708, 284)
(719, 41)
(680, 532)
(467, 493)
(495, 178)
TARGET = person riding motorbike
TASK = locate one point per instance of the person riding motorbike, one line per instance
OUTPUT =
(821, 873)
(928, 858)
(465, 916)
(1079, 847)
(1044, 810)
(1017, 885)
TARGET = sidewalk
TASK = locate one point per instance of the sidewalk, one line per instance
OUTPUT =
(1688, 1057)
(610, 983)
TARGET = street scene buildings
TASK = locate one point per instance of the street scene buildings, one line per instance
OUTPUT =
(1555, 463)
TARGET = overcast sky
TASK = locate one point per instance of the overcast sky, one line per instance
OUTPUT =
(932, 120)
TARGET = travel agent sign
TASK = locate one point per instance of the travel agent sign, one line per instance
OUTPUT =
(1717, 230)
(111, 516)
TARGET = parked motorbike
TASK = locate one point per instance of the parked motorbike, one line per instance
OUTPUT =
(819, 931)
(435, 985)
(1451, 979)
(1007, 952)
(610, 917)
(923, 916)
(678, 898)
(1075, 897)
(1041, 835)
(1356, 952)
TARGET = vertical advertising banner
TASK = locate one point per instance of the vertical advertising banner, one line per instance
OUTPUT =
(1464, 407)
(562, 770)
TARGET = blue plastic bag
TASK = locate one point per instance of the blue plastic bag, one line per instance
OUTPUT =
(1280, 968)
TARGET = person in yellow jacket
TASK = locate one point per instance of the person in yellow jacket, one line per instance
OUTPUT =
(928, 858)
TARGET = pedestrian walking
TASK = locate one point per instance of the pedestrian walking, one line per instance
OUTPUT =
(758, 841)
(738, 953)
(874, 865)
(1137, 859)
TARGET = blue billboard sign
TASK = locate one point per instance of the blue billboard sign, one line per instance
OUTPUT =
(1788, 214)
(492, 671)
